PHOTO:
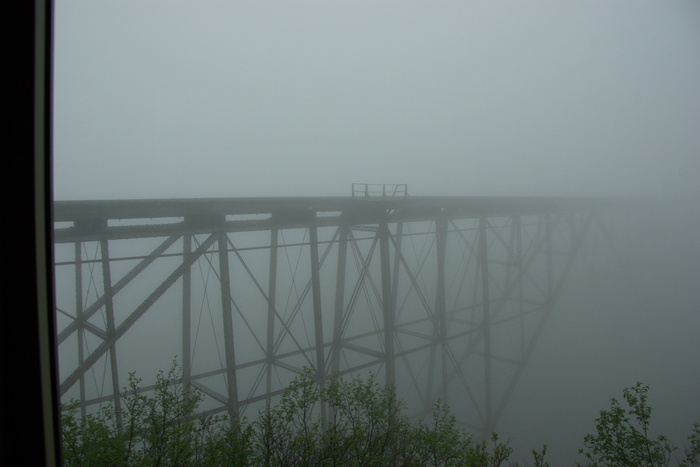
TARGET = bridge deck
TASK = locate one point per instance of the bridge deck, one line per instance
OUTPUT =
(91, 218)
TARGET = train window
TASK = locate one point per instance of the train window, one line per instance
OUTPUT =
(407, 190)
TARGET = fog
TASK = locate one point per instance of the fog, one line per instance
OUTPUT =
(188, 99)
(304, 98)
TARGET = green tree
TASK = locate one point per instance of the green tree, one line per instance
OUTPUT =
(160, 428)
(288, 433)
(365, 426)
(439, 442)
(480, 456)
(539, 457)
(692, 453)
(623, 437)
(90, 440)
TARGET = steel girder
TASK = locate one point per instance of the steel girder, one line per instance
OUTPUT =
(443, 299)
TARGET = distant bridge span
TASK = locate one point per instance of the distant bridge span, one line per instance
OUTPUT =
(445, 297)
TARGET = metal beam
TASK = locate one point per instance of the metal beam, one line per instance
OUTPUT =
(486, 322)
(339, 299)
(133, 317)
(227, 314)
(272, 295)
(109, 317)
(186, 313)
(388, 310)
(318, 314)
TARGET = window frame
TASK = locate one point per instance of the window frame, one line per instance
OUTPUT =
(29, 418)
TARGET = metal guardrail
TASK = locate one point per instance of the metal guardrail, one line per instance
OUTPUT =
(379, 190)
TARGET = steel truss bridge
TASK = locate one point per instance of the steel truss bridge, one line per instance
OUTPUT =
(443, 297)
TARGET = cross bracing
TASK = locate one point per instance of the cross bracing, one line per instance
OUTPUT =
(441, 297)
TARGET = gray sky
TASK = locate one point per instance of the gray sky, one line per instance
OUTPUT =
(163, 99)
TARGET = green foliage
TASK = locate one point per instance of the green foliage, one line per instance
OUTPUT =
(440, 443)
(692, 454)
(364, 425)
(158, 430)
(353, 422)
(622, 436)
(481, 457)
(539, 457)
(287, 433)
(92, 440)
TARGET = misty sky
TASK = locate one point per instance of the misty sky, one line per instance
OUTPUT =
(160, 99)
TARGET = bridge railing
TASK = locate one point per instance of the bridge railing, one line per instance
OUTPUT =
(379, 190)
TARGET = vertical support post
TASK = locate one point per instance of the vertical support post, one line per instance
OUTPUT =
(109, 311)
(486, 324)
(186, 312)
(79, 319)
(550, 271)
(397, 263)
(387, 304)
(318, 314)
(339, 298)
(518, 225)
(229, 347)
(271, 303)
(441, 241)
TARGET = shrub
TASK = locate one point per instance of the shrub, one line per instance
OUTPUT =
(365, 424)
(161, 429)
(623, 437)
